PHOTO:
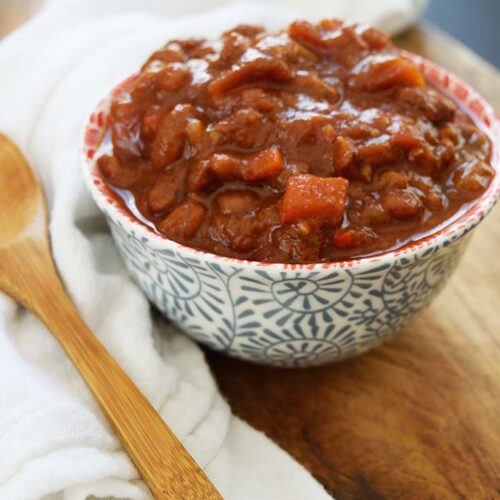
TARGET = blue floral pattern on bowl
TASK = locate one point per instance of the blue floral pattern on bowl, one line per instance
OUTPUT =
(286, 317)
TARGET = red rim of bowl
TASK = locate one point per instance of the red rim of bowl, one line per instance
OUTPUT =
(454, 86)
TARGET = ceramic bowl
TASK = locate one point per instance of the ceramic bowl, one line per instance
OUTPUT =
(286, 314)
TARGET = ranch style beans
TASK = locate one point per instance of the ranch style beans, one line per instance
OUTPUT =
(318, 143)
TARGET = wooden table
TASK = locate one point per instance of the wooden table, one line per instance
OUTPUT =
(418, 418)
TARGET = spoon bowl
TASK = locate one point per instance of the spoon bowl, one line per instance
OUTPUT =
(24, 201)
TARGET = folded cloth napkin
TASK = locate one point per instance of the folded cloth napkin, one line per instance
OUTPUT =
(54, 441)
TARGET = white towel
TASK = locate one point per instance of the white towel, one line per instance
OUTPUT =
(54, 441)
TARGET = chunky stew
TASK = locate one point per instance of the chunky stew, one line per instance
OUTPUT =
(318, 143)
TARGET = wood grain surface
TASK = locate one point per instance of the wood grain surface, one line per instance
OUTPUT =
(418, 418)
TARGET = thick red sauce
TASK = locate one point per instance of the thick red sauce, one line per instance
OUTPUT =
(314, 144)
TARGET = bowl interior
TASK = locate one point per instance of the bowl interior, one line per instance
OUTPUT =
(456, 88)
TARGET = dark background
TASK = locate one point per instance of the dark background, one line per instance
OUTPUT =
(474, 22)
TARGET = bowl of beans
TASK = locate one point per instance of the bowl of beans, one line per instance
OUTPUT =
(291, 198)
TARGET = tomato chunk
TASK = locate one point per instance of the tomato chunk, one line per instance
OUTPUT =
(351, 237)
(309, 196)
(343, 239)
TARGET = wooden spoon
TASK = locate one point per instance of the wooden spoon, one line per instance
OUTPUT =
(28, 274)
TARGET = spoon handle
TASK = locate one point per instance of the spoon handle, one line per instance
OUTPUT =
(163, 462)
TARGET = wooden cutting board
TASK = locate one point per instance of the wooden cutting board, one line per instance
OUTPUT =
(419, 417)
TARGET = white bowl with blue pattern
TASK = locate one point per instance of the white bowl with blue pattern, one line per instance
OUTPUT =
(287, 314)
